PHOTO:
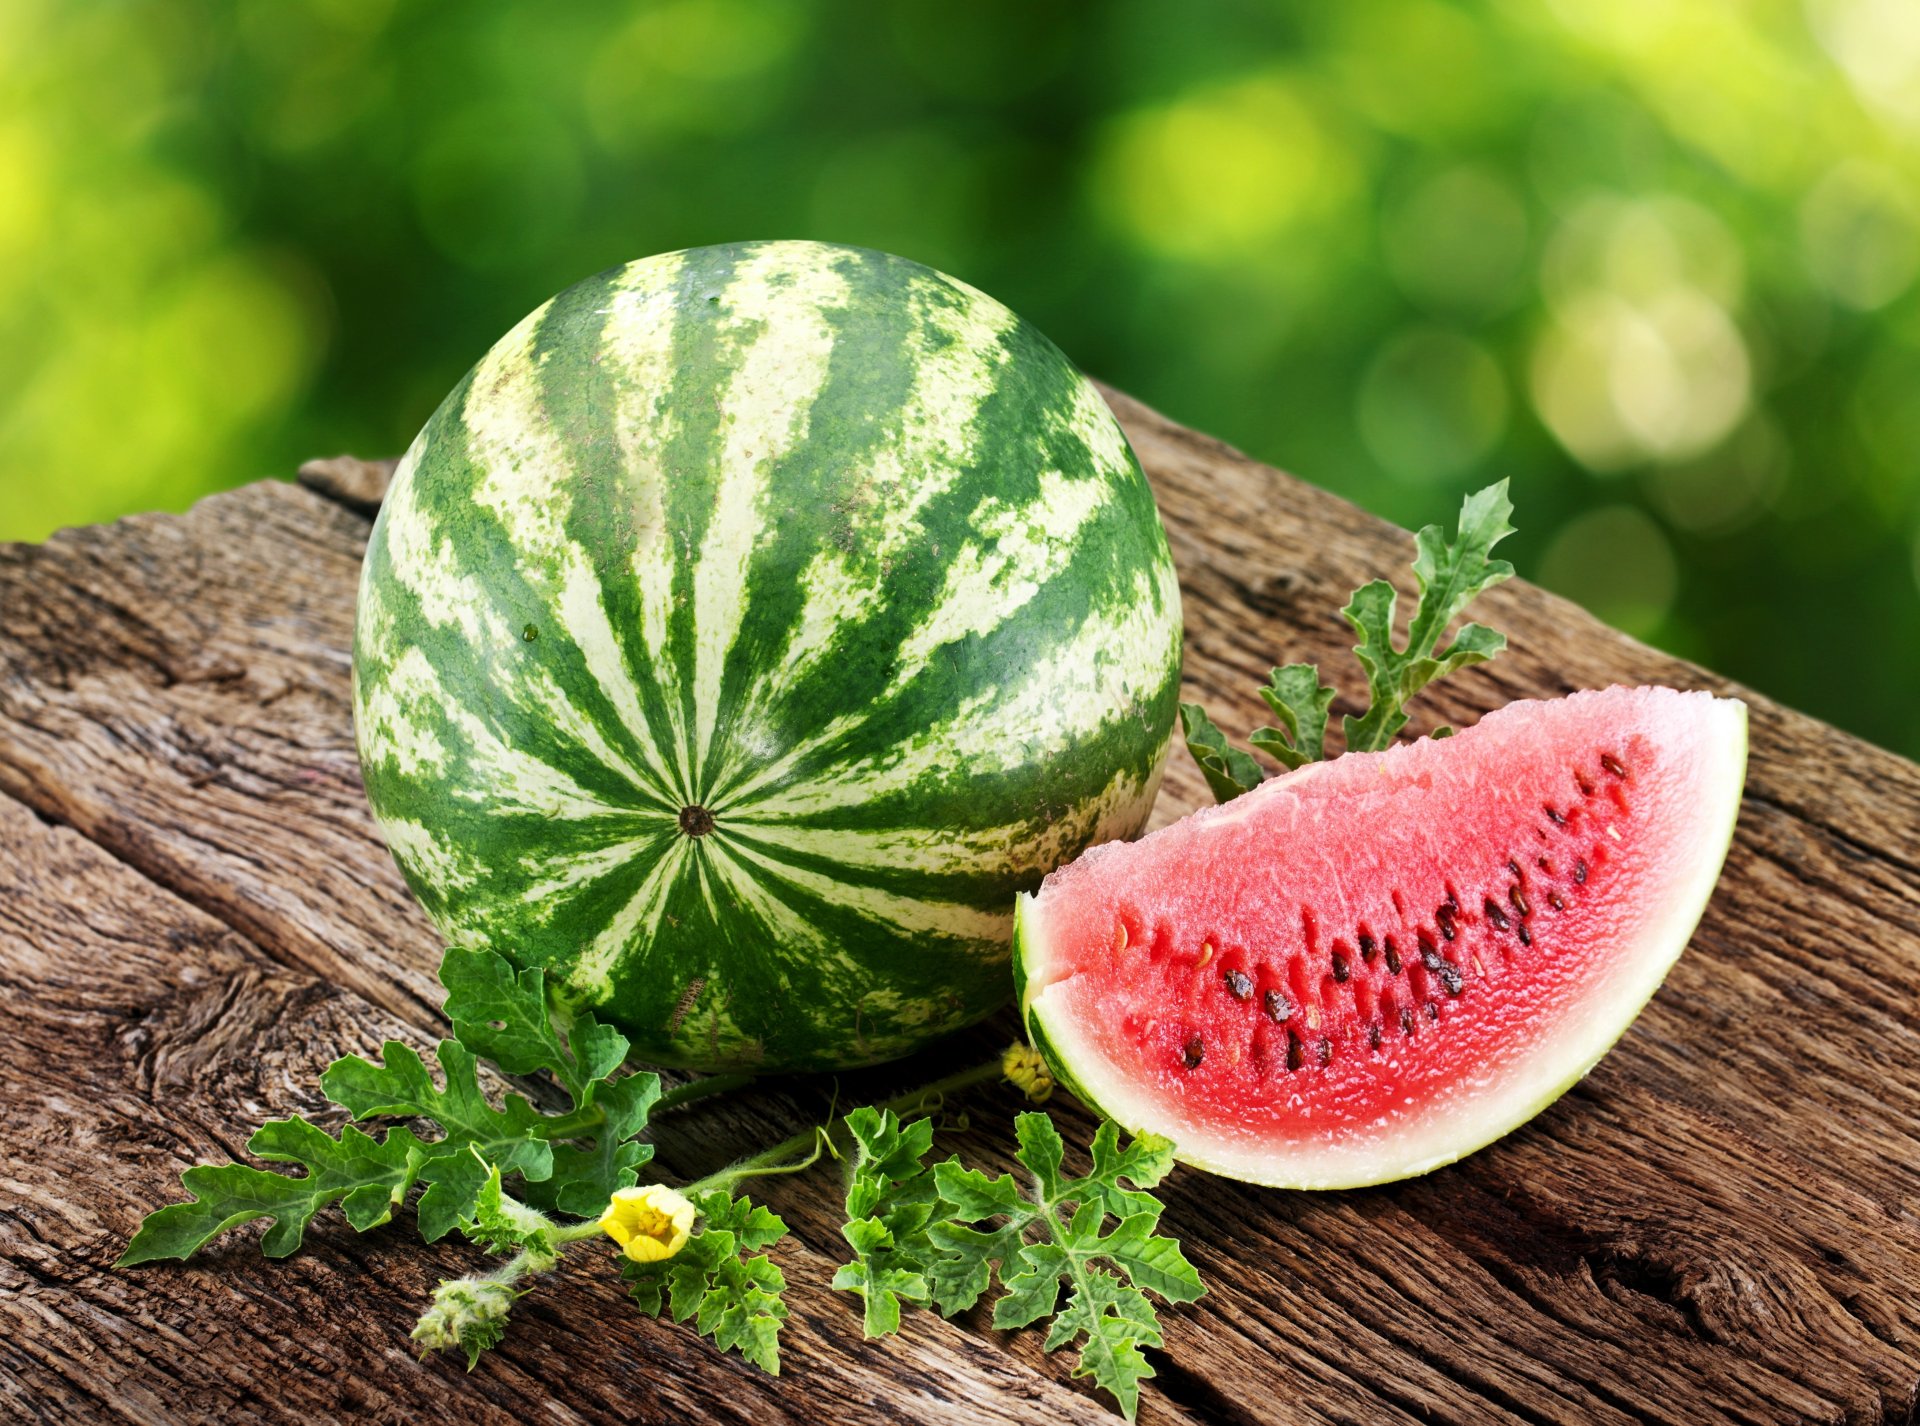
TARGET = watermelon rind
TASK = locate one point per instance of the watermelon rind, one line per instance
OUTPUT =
(1578, 1046)
(744, 631)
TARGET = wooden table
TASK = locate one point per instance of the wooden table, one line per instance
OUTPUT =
(196, 916)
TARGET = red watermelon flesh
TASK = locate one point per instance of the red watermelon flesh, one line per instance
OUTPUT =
(1367, 968)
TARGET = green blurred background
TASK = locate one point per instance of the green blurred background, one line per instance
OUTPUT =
(1656, 261)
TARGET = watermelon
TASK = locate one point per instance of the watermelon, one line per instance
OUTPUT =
(744, 631)
(1367, 968)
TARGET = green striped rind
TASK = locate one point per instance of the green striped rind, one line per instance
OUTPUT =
(816, 539)
(1029, 950)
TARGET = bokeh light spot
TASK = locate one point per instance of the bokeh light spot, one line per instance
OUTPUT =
(1222, 172)
(1877, 44)
(1617, 563)
(1730, 487)
(1642, 359)
(1458, 241)
(1432, 405)
(1638, 248)
(690, 67)
(1861, 234)
(496, 184)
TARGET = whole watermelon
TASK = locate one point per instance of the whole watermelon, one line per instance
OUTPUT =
(744, 631)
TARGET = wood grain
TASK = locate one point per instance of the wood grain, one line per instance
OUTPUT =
(196, 914)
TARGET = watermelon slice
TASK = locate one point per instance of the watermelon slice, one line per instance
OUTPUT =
(1369, 967)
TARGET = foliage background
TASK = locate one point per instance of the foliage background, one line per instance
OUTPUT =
(1655, 261)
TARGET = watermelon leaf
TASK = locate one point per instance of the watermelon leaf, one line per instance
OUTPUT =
(367, 1176)
(1300, 701)
(1451, 574)
(569, 1162)
(400, 1087)
(1229, 772)
(507, 1016)
(583, 1179)
(733, 1297)
(935, 1236)
(891, 1199)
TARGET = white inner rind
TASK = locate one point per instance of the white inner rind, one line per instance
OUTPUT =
(1464, 1121)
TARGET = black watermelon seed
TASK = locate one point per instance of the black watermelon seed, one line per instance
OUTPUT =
(1554, 817)
(1239, 984)
(1450, 978)
(1341, 970)
(1193, 1052)
(1613, 765)
(1279, 1008)
(1443, 913)
(1579, 873)
(1526, 936)
(1294, 1056)
(1373, 1035)
(1367, 948)
(1432, 1009)
(1586, 788)
(1545, 866)
(1429, 953)
(1514, 867)
(1554, 900)
(1323, 1052)
(1393, 957)
(1519, 900)
(1406, 1020)
(1495, 914)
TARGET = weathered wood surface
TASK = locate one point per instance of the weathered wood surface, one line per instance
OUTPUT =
(196, 915)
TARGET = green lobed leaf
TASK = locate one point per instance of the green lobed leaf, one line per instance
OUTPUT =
(1450, 575)
(1228, 770)
(505, 1015)
(1041, 1150)
(1111, 1321)
(891, 1198)
(723, 1279)
(501, 1224)
(367, 1176)
(584, 1178)
(454, 1182)
(1034, 1291)
(1300, 701)
(754, 1225)
(979, 1226)
(571, 1162)
(961, 1273)
(400, 1086)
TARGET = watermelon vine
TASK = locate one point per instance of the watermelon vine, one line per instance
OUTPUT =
(700, 1251)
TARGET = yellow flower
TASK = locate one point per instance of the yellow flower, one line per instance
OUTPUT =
(649, 1223)
(1027, 1072)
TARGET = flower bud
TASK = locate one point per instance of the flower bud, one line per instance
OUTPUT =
(468, 1312)
(1028, 1072)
